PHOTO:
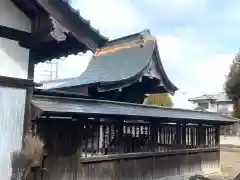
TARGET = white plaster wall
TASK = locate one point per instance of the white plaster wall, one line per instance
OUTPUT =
(230, 107)
(11, 16)
(13, 63)
(13, 58)
(213, 107)
(12, 106)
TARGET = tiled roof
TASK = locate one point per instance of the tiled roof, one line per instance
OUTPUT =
(124, 59)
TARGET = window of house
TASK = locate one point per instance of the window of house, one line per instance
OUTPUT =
(224, 108)
(203, 105)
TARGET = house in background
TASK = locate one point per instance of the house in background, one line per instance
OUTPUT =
(214, 103)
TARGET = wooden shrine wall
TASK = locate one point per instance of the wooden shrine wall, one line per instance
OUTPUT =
(92, 150)
(147, 168)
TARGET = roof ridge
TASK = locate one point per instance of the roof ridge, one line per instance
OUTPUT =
(126, 42)
(128, 37)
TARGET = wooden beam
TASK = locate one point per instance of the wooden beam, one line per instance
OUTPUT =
(147, 155)
(13, 34)
(16, 82)
(25, 39)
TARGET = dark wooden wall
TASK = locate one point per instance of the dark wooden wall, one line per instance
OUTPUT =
(146, 168)
(166, 150)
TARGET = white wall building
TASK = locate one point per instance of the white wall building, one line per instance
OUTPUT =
(213, 103)
(14, 63)
(32, 31)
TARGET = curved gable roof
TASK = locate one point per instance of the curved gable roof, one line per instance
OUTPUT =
(124, 61)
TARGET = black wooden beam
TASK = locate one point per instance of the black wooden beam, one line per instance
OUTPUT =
(25, 39)
(16, 82)
(13, 34)
(71, 21)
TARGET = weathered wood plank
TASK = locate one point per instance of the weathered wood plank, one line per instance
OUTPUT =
(145, 168)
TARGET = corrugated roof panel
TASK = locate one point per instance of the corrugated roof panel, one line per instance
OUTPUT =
(95, 107)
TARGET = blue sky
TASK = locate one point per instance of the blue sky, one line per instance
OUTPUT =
(197, 38)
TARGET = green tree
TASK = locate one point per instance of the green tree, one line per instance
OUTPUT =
(232, 84)
(163, 99)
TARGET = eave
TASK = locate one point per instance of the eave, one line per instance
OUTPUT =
(79, 38)
(78, 26)
(167, 83)
(73, 107)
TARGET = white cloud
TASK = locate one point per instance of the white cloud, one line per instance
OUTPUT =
(180, 100)
(178, 6)
(193, 74)
(114, 18)
(189, 58)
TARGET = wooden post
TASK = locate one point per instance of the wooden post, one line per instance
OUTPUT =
(178, 136)
(217, 135)
(202, 136)
(184, 135)
(154, 133)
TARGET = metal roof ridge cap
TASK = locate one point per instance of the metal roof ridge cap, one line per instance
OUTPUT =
(122, 45)
(128, 36)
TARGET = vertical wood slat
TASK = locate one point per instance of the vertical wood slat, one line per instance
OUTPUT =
(217, 137)
(68, 168)
(104, 139)
(98, 128)
(153, 137)
(184, 130)
(165, 137)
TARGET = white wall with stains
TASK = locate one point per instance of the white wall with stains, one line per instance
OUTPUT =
(13, 63)
(12, 106)
(13, 58)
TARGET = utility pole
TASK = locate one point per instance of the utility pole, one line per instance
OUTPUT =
(51, 73)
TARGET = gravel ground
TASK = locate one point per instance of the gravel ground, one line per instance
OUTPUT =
(230, 162)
